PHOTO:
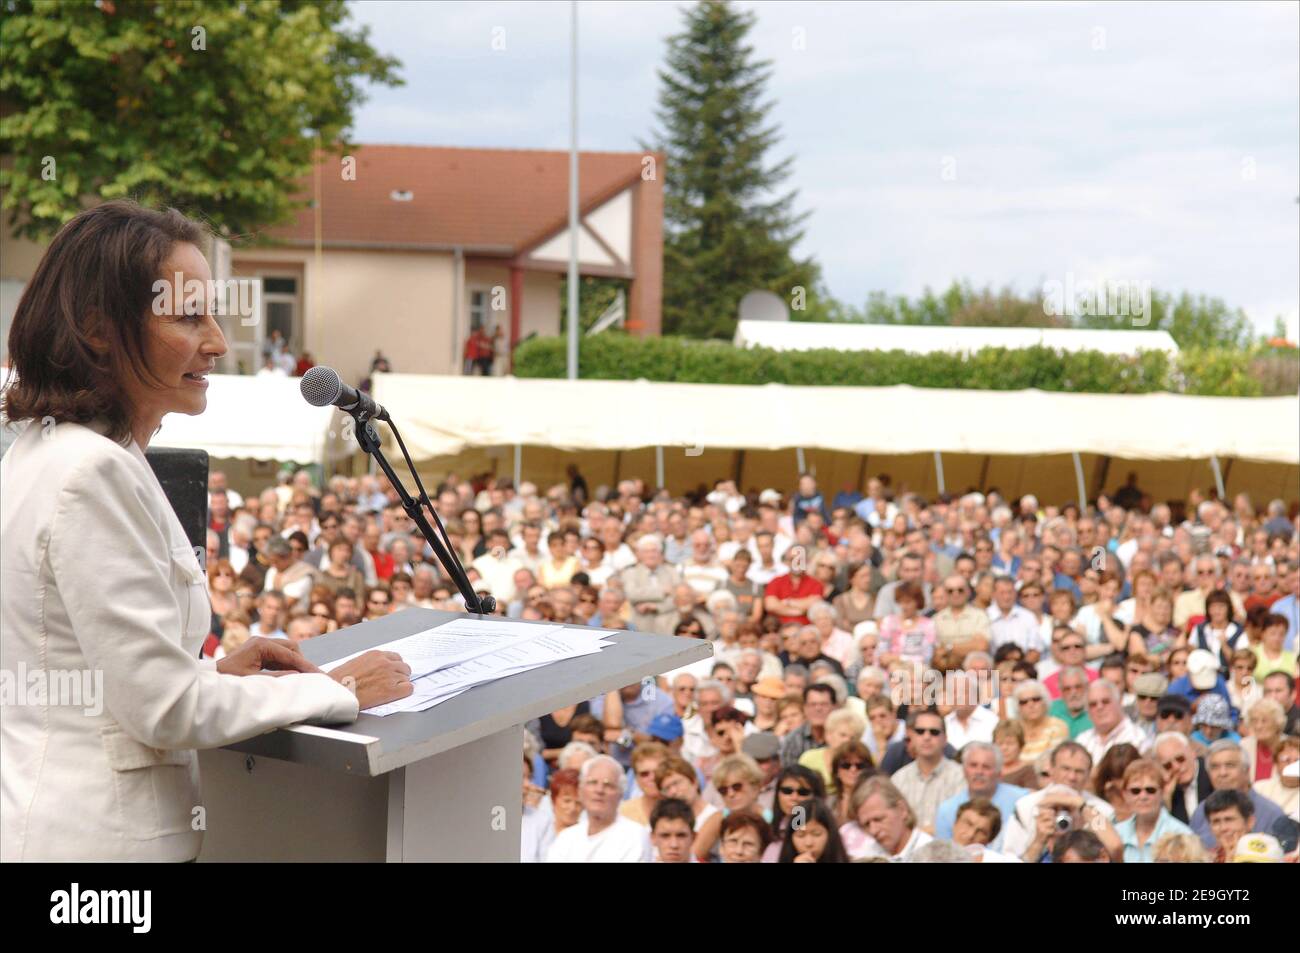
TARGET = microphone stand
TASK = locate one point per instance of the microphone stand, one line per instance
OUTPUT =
(368, 438)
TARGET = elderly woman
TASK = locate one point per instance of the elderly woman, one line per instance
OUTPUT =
(1009, 736)
(866, 638)
(1154, 634)
(842, 725)
(1042, 731)
(1266, 720)
(850, 763)
(738, 780)
(907, 636)
(856, 603)
(1179, 849)
(836, 643)
(564, 798)
(340, 574)
(1243, 690)
(1282, 790)
(1149, 820)
(789, 715)
(886, 726)
(883, 824)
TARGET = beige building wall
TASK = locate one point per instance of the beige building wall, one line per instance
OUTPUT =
(540, 313)
(361, 301)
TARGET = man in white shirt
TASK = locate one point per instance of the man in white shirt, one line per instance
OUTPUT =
(602, 835)
(701, 570)
(1009, 622)
(497, 567)
(968, 720)
(1071, 767)
(767, 565)
(1110, 726)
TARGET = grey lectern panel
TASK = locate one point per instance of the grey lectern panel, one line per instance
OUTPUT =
(382, 744)
(437, 785)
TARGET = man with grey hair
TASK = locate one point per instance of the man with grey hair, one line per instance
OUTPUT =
(981, 763)
(710, 695)
(1110, 726)
(574, 755)
(1192, 602)
(1227, 768)
(648, 586)
(602, 835)
(1187, 780)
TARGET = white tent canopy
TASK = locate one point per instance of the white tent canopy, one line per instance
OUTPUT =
(252, 418)
(441, 415)
(921, 339)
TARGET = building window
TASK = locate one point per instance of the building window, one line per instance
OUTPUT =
(478, 311)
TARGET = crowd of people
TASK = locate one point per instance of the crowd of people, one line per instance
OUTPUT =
(965, 678)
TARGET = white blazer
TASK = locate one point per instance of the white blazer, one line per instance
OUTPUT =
(100, 580)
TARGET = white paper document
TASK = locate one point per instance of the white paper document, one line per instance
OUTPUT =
(453, 642)
(511, 658)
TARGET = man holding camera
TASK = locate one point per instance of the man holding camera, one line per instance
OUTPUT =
(1064, 805)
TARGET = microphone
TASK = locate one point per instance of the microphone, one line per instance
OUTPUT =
(322, 387)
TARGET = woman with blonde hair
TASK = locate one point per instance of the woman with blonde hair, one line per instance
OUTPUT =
(1042, 731)
(1179, 849)
(842, 726)
(1266, 720)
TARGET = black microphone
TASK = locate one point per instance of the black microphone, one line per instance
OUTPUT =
(322, 387)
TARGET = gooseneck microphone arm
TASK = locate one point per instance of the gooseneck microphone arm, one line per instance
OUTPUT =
(324, 389)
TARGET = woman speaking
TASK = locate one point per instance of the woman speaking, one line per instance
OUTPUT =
(101, 587)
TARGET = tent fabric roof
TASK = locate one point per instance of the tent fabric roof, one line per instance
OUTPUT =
(924, 339)
(253, 418)
(442, 415)
(492, 201)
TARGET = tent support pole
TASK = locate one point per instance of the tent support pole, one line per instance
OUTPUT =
(984, 472)
(862, 474)
(659, 468)
(1218, 475)
(1227, 471)
(519, 466)
(938, 472)
(738, 467)
(618, 465)
(1102, 474)
(1078, 479)
(800, 462)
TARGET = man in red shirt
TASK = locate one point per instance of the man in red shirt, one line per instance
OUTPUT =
(788, 596)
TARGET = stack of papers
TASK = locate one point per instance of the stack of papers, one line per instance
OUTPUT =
(452, 658)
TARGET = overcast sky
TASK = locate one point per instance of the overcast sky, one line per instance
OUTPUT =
(1004, 143)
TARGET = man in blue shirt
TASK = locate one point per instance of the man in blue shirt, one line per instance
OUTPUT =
(642, 702)
(981, 762)
(1289, 607)
(807, 500)
(1227, 767)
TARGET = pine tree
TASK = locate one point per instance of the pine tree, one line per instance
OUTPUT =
(727, 232)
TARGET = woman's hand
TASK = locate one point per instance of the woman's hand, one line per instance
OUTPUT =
(376, 678)
(262, 656)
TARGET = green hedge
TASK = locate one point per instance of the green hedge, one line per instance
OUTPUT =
(617, 356)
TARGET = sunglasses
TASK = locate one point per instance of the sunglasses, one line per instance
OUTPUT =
(1032, 698)
(956, 591)
(1149, 789)
(1169, 765)
(1169, 713)
(1072, 647)
(733, 788)
(934, 732)
(795, 792)
(852, 766)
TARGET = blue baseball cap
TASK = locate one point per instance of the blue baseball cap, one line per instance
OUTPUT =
(666, 727)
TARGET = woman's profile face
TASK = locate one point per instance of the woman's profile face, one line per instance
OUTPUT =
(183, 339)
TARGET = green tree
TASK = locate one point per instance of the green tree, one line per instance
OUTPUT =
(213, 107)
(727, 231)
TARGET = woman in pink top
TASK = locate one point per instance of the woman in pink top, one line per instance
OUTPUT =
(907, 636)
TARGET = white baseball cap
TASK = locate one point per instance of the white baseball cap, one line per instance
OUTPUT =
(1258, 849)
(1203, 669)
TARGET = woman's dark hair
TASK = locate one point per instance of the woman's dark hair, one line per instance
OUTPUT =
(816, 812)
(808, 778)
(1222, 598)
(738, 820)
(1110, 769)
(79, 330)
(1084, 843)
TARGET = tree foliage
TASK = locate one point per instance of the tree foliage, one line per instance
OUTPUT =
(213, 107)
(727, 230)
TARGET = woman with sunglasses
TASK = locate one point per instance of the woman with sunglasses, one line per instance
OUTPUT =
(1143, 787)
(1108, 777)
(1042, 731)
(850, 763)
(738, 780)
(795, 786)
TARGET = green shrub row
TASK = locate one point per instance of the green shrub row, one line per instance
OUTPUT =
(1211, 372)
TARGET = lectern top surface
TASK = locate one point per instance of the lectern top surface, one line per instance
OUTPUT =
(374, 745)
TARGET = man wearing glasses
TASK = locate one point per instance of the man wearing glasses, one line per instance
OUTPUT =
(931, 778)
(961, 628)
(1110, 726)
(602, 835)
(1187, 782)
(1068, 651)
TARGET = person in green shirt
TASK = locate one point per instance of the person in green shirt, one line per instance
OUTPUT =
(1072, 706)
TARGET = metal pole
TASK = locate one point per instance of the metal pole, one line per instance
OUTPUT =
(799, 461)
(519, 466)
(573, 196)
(1078, 479)
(938, 470)
(659, 468)
(1218, 475)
